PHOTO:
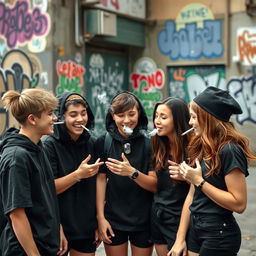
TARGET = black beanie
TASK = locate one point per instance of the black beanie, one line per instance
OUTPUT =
(218, 103)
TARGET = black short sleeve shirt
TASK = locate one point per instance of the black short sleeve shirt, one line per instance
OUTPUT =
(232, 157)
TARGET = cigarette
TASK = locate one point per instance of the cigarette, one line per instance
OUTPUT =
(189, 130)
(85, 128)
(60, 122)
(153, 132)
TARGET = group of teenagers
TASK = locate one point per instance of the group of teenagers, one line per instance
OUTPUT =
(65, 192)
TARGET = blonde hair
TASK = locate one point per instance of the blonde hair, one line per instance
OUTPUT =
(29, 101)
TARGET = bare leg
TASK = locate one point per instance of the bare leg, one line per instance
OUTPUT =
(116, 250)
(136, 251)
(161, 249)
(76, 253)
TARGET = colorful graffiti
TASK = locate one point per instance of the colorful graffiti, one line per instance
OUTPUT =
(146, 82)
(188, 82)
(244, 91)
(19, 24)
(16, 73)
(193, 35)
(246, 48)
(71, 76)
(191, 43)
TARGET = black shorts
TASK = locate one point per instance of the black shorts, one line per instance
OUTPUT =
(164, 226)
(140, 239)
(211, 235)
(83, 245)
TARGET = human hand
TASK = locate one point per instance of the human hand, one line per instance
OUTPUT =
(178, 249)
(122, 168)
(86, 170)
(192, 175)
(105, 231)
(97, 238)
(63, 242)
(174, 171)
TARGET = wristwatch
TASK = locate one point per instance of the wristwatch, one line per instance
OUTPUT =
(201, 184)
(135, 175)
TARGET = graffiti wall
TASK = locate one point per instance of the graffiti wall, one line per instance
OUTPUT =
(16, 73)
(246, 46)
(147, 81)
(188, 82)
(24, 27)
(106, 75)
(70, 76)
(194, 35)
(20, 24)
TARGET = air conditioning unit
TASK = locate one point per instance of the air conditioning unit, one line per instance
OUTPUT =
(99, 22)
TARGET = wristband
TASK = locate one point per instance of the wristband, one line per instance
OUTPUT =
(201, 184)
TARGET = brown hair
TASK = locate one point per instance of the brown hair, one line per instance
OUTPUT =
(123, 102)
(29, 101)
(214, 134)
(161, 145)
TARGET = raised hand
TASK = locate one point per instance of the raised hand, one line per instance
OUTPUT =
(192, 175)
(174, 171)
(86, 170)
(122, 168)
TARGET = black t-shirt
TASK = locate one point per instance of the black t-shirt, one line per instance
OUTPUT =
(231, 157)
(26, 181)
(78, 203)
(170, 195)
(127, 205)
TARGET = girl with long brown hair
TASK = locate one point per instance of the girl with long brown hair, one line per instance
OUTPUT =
(171, 119)
(217, 168)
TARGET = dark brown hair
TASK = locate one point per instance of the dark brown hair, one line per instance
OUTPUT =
(161, 145)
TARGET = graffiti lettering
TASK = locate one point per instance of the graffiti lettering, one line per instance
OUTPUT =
(246, 46)
(71, 70)
(156, 79)
(193, 13)
(244, 91)
(66, 84)
(17, 24)
(191, 43)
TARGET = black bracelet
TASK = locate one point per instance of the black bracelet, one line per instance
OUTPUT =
(201, 184)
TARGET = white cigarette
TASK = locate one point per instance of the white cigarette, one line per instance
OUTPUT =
(153, 132)
(189, 130)
(60, 122)
(85, 128)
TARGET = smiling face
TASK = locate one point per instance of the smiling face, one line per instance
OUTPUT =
(44, 123)
(164, 120)
(75, 116)
(127, 118)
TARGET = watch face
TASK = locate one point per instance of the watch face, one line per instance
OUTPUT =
(135, 175)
